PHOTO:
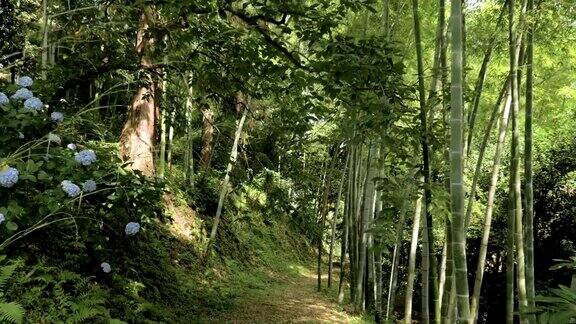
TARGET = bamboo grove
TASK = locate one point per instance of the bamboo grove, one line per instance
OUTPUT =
(450, 284)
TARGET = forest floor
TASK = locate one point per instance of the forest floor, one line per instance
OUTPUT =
(288, 297)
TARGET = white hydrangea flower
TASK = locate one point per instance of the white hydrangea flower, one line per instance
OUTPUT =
(22, 94)
(89, 186)
(20, 135)
(25, 81)
(106, 268)
(57, 117)
(85, 157)
(33, 104)
(70, 188)
(8, 177)
(53, 138)
(2, 218)
(3, 99)
(132, 228)
(71, 146)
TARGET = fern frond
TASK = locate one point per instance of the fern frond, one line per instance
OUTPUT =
(6, 272)
(11, 312)
(85, 312)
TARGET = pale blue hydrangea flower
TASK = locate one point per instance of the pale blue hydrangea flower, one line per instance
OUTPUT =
(25, 81)
(54, 138)
(57, 117)
(70, 188)
(8, 177)
(85, 157)
(106, 268)
(33, 104)
(22, 94)
(132, 228)
(3, 99)
(71, 146)
(2, 218)
(89, 186)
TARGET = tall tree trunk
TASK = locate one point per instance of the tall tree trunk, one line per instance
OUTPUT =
(515, 168)
(189, 132)
(429, 267)
(449, 297)
(530, 286)
(369, 290)
(367, 217)
(510, 254)
(170, 139)
(359, 187)
(323, 213)
(442, 277)
(162, 153)
(353, 219)
(378, 265)
(240, 100)
(207, 135)
(334, 219)
(138, 135)
(456, 166)
(396, 261)
(163, 112)
(490, 206)
(346, 234)
(412, 262)
(45, 32)
(440, 47)
(425, 268)
(485, 139)
(447, 271)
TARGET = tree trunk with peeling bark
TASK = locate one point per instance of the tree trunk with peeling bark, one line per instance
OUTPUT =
(137, 139)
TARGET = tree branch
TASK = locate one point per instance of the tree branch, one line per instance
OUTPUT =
(257, 24)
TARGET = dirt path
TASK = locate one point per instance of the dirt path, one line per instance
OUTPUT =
(290, 299)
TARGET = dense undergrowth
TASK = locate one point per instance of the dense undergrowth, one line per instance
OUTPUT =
(86, 240)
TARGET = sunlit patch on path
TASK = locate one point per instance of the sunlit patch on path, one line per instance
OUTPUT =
(291, 299)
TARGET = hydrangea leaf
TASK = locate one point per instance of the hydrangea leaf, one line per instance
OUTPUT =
(11, 226)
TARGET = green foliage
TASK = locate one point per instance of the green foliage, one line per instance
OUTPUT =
(10, 312)
(52, 294)
(559, 306)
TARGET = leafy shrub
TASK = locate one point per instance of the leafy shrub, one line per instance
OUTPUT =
(560, 305)
(69, 204)
(53, 295)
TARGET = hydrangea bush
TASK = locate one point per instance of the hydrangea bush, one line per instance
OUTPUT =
(65, 198)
